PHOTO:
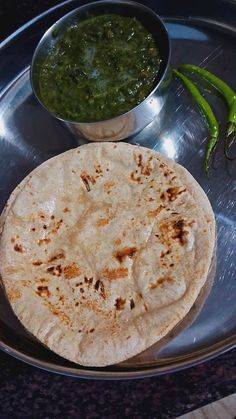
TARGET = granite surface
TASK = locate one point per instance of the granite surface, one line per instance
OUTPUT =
(14, 13)
(27, 392)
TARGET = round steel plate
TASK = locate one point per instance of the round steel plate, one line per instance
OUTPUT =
(29, 135)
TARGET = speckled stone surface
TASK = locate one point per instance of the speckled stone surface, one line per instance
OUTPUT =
(27, 392)
(14, 13)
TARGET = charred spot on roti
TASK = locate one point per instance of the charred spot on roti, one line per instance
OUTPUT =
(99, 286)
(115, 273)
(57, 226)
(52, 217)
(102, 290)
(43, 291)
(174, 192)
(163, 254)
(96, 285)
(120, 255)
(87, 180)
(135, 178)
(154, 213)
(13, 240)
(98, 169)
(19, 248)
(71, 271)
(161, 281)
(43, 241)
(108, 186)
(55, 270)
(40, 280)
(120, 303)
(88, 281)
(62, 299)
(145, 169)
(37, 263)
(45, 227)
(132, 304)
(139, 161)
(59, 255)
(179, 232)
(33, 229)
(174, 230)
(102, 222)
(66, 209)
(171, 194)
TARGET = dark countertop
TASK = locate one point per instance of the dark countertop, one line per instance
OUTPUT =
(26, 392)
(29, 392)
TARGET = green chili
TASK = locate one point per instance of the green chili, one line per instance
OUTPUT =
(207, 113)
(227, 93)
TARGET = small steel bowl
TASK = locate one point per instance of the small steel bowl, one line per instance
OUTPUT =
(133, 121)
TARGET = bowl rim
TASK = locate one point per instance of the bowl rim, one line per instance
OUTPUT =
(78, 10)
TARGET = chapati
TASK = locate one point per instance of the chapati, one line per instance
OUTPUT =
(104, 250)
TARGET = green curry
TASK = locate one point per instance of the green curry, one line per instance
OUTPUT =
(99, 68)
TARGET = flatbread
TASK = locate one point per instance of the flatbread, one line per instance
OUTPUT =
(104, 249)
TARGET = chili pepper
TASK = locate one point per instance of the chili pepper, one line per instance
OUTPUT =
(207, 113)
(226, 92)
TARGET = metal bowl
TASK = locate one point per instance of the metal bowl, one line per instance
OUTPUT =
(136, 119)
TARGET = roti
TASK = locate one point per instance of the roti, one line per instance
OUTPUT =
(104, 250)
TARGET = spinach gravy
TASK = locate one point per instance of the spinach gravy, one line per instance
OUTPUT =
(99, 68)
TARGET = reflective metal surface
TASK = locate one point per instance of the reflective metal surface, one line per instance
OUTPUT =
(29, 135)
(137, 118)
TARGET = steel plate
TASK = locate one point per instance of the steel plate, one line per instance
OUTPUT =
(29, 135)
